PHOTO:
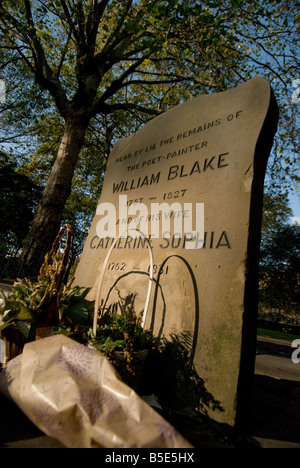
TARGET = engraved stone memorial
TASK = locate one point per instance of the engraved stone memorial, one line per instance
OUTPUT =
(182, 202)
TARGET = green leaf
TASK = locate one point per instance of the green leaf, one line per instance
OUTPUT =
(78, 313)
(106, 345)
(10, 315)
(62, 331)
(25, 314)
(24, 327)
(6, 324)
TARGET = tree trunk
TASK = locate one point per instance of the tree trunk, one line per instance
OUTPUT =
(48, 216)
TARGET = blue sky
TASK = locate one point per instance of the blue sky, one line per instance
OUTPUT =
(295, 204)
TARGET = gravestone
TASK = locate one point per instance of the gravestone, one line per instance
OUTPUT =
(205, 159)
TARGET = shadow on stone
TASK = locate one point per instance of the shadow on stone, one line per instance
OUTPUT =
(173, 378)
(170, 375)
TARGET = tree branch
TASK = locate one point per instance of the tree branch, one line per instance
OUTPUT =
(115, 86)
(155, 82)
(116, 37)
(93, 20)
(70, 21)
(111, 108)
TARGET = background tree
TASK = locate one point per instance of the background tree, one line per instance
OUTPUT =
(18, 199)
(279, 270)
(276, 214)
(279, 255)
(103, 67)
(270, 43)
(86, 54)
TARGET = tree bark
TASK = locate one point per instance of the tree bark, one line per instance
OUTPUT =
(49, 213)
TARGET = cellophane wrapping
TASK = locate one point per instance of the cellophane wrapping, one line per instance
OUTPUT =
(73, 394)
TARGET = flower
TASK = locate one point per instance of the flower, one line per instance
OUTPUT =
(76, 359)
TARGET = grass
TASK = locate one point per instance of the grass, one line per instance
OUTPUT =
(277, 334)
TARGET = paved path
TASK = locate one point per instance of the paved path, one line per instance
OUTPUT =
(276, 395)
(274, 359)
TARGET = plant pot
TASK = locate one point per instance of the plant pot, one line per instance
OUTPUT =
(15, 341)
(43, 332)
(130, 371)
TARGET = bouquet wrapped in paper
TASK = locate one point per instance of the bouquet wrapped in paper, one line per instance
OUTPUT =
(73, 394)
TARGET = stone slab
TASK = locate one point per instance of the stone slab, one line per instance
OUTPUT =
(211, 151)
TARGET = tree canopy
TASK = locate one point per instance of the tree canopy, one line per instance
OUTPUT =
(279, 270)
(18, 199)
(82, 73)
(279, 285)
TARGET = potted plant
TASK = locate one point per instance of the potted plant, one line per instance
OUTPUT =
(121, 337)
(33, 308)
